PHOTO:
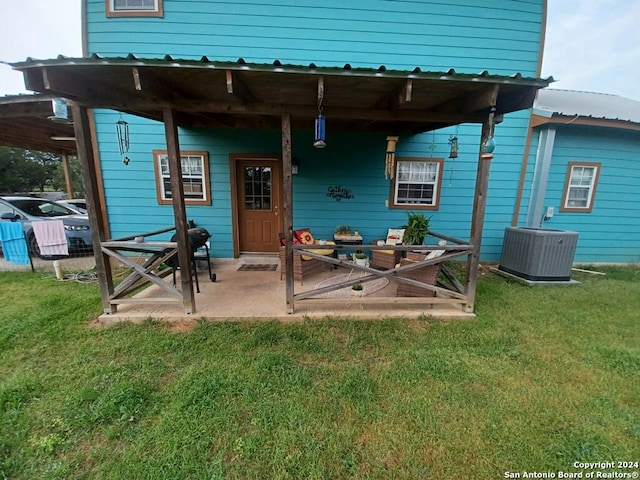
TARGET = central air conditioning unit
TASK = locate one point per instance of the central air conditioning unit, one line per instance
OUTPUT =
(538, 254)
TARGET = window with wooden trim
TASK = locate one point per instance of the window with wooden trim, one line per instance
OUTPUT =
(416, 183)
(134, 8)
(580, 187)
(195, 177)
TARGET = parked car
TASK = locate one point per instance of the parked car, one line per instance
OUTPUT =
(27, 210)
(77, 204)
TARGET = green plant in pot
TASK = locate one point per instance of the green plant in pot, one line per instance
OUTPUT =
(417, 228)
(356, 290)
(361, 258)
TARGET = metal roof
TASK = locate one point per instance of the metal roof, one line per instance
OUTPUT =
(248, 95)
(25, 123)
(601, 106)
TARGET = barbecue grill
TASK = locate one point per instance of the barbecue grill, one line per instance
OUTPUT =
(198, 238)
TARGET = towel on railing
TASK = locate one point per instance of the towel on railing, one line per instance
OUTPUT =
(14, 244)
(50, 237)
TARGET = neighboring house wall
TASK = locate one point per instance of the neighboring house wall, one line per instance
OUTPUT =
(610, 232)
(503, 37)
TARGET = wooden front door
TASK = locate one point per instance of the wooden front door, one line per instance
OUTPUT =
(259, 187)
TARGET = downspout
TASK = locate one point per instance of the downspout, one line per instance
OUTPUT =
(540, 177)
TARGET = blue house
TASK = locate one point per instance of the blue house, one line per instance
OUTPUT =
(582, 173)
(238, 95)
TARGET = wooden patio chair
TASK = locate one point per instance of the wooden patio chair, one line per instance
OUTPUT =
(303, 265)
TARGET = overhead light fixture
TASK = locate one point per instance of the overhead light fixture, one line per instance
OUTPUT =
(63, 139)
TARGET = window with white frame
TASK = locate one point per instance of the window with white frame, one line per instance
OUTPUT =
(134, 8)
(417, 183)
(580, 187)
(195, 177)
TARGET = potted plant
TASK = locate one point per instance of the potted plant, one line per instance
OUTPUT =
(356, 290)
(417, 228)
(361, 259)
(343, 230)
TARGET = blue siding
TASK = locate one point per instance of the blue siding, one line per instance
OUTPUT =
(611, 232)
(353, 161)
(502, 37)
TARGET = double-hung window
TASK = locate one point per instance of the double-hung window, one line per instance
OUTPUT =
(580, 187)
(134, 8)
(195, 177)
(417, 183)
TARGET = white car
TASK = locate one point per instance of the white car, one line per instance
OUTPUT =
(77, 204)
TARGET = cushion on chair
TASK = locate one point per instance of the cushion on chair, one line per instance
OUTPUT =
(395, 236)
(303, 236)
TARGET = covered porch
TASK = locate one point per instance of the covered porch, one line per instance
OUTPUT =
(189, 93)
(249, 293)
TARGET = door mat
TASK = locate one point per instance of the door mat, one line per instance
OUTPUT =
(258, 267)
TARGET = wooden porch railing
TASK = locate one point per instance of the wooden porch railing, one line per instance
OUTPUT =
(450, 291)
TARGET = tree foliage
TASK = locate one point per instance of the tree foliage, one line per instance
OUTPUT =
(23, 171)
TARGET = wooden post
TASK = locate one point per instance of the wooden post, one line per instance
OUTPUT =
(479, 207)
(67, 175)
(179, 211)
(97, 223)
(287, 209)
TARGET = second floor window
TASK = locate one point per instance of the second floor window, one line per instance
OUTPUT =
(134, 8)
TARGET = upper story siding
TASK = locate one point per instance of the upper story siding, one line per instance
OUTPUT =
(501, 36)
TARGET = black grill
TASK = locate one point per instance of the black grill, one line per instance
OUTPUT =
(197, 237)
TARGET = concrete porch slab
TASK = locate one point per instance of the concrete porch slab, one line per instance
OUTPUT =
(260, 295)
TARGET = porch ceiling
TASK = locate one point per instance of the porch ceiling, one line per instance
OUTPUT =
(24, 123)
(204, 93)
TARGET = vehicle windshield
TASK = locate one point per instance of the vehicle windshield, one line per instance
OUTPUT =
(37, 207)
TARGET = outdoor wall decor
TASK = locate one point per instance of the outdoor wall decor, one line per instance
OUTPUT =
(338, 192)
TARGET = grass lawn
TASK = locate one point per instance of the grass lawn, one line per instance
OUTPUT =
(542, 378)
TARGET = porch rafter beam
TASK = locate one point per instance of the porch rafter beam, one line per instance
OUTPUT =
(238, 88)
(477, 100)
(398, 97)
(145, 82)
(187, 106)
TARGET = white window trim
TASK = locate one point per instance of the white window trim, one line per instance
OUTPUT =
(202, 177)
(591, 188)
(155, 11)
(437, 183)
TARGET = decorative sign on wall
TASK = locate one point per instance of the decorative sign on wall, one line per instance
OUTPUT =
(338, 192)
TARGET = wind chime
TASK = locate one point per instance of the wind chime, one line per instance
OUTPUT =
(320, 131)
(390, 160)
(122, 130)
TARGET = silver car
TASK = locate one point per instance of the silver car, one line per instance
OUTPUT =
(27, 210)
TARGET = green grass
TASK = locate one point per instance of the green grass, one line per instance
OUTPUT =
(543, 377)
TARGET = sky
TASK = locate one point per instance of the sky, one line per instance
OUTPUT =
(591, 45)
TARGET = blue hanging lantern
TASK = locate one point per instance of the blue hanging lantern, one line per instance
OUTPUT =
(320, 132)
